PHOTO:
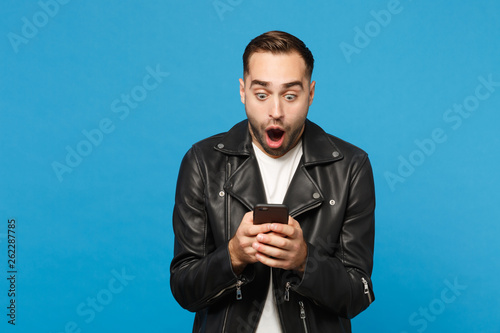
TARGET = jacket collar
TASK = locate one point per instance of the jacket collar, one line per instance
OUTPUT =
(316, 145)
(245, 183)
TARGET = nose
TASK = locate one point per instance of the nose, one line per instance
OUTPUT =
(276, 111)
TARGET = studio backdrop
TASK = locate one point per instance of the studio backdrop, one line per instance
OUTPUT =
(100, 100)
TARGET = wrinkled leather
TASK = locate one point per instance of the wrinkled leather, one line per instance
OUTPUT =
(332, 197)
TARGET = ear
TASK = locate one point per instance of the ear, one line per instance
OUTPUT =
(312, 87)
(242, 91)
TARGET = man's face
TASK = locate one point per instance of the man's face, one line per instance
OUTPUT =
(277, 94)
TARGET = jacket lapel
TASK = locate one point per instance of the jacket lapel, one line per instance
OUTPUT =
(246, 184)
(304, 193)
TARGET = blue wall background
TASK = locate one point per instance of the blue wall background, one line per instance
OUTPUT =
(414, 83)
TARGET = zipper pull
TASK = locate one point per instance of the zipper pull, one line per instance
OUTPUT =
(366, 291)
(239, 296)
(287, 291)
(302, 310)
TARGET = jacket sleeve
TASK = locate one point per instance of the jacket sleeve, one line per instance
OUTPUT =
(337, 276)
(200, 272)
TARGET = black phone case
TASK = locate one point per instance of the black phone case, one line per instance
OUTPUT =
(270, 213)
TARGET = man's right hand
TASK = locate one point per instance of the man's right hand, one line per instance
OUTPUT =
(240, 246)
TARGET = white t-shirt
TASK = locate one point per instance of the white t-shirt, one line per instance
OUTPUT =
(277, 173)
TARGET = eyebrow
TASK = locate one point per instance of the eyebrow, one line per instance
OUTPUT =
(293, 83)
(285, 85)
(260, 83)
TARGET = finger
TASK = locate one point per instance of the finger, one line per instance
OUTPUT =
(273, 240)
(283, 229)
(255, 229)
(289, 229)
(273, 261)
(266, 260)
(269, 252)
(248, 228)
(272, 251)
(247, 218)
(276, 234)
(293, 222)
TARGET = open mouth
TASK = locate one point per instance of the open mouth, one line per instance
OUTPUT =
(275, 137)
(275, 134)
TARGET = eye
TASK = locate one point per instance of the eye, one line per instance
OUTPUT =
(261, 96)
(290, 97)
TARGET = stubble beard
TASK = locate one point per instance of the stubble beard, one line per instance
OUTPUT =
(293, 136)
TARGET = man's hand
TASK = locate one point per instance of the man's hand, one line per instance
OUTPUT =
(240, 246)
(282, 246)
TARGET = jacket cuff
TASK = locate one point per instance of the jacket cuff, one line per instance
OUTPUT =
(296, 278)
(248, 273)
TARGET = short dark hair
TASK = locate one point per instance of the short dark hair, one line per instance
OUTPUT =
(278, 42)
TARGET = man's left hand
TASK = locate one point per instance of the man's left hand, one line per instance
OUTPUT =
(283, 246)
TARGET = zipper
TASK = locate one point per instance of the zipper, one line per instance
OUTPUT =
(221, 292)
(239, 283)
(225, 319)
(303, 315)
(228, 203)
(286, 297)
(366, 289)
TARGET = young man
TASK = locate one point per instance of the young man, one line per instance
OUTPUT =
(310, 275)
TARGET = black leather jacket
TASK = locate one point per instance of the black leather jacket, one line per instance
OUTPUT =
(332, 197)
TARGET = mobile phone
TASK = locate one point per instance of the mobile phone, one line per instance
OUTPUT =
(270, 213)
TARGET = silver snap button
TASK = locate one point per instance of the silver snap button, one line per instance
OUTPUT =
(332, 202)
(220, 145)
(316, 195)
(335, 154)
(222, 193)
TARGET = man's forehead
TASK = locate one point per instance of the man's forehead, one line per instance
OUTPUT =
(280, 68)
